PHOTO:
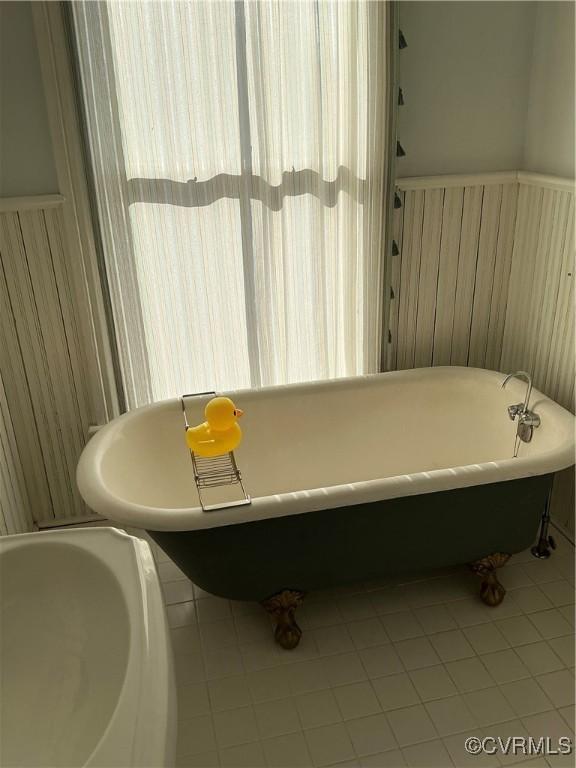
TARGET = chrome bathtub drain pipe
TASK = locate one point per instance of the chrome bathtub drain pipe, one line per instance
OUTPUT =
(545, 542)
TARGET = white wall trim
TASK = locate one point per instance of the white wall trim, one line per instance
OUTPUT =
(486, 179)
(30, 202)
(460, 180)
(547, 182)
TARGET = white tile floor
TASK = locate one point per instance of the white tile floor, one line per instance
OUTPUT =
(396, 673)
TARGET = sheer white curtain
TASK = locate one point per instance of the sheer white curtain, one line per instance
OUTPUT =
(238, 152)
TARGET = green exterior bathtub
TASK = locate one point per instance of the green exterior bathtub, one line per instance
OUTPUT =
(333, 547)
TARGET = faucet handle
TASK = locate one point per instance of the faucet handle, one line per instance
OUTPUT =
(529, 419)
(515, 410)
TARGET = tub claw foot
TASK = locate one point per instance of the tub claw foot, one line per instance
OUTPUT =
(491, 591)
(281, 607)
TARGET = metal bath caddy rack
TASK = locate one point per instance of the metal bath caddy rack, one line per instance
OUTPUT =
(216, 471)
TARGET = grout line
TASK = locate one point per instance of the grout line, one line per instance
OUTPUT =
(410, 611)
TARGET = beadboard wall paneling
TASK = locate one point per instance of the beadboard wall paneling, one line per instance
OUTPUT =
(15, 506)
(444, 287)
(485, 277)
(498, 281)
(452, 271)
(42, 363)
(539, 327)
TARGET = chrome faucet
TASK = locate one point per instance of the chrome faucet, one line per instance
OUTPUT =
(527, 420)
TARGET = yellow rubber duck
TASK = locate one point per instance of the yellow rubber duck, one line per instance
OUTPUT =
(220, 433)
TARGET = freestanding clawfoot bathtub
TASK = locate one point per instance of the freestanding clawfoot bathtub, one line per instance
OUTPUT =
(350, 479)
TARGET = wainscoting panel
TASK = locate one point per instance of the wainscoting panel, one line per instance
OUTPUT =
(15, 507)
(485, 277)
(445, 284)
(454, 265)
(426, 307)
(41, 366)
(499, 282)
(539, 330)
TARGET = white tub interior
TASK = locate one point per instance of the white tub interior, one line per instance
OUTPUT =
(336, 433)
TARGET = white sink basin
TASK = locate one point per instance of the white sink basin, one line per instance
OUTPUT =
(86, 663)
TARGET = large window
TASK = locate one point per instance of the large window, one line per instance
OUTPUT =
(238, 152)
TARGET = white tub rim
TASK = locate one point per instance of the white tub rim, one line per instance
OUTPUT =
(97, 494)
